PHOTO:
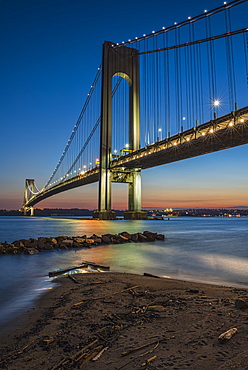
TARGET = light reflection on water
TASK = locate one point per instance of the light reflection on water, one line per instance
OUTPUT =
(212, 250)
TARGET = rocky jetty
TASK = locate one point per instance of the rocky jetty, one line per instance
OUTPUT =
(33, 246)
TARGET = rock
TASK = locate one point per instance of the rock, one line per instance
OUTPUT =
(150, 236)
(52, 240)
(18, 244)
(159, 237)
(79, 240)
(122, 238)
(41, 242)
(126, 235)
(31, 251)
(225, 337)
(106, 239)
(67, 243)
(98, 240)
(134, 237)
(48, 247)
(30, 243)
(142, 238)
(241, 304)
(89, 241)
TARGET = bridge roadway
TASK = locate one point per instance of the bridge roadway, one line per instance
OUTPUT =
(224, 132)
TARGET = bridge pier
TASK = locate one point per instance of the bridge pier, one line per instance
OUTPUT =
(119, 61)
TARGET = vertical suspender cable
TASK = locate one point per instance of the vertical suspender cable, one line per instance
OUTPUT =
(245, 41)
(211, 65)
(230, 64)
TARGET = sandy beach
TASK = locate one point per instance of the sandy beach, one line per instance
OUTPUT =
(123, 321)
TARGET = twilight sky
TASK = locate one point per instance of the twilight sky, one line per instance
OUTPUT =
(50, 51)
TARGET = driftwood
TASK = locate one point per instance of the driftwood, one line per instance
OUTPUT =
(60, 272)
(141, 355)
(100, 354)
(138, 348)
(93, 264)
(73, 279)
(103, 297)
(150, 275)
(225, 337)
(149, 360)
(77, 357)
(17, 353)
(84, 265)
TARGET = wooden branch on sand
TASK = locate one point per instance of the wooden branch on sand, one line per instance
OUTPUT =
(140, 347)
(103, 297)
(16, 353)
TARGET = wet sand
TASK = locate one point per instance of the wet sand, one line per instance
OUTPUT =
(124, 321)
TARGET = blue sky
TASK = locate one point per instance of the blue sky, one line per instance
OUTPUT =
(50, 51)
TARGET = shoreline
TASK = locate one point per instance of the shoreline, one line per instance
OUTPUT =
(124, 311)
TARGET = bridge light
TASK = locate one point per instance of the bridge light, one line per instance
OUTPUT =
(188, 139)
(175, 143)
(242, 120)
(216, 103)
(175, 23)
(144, 35)
(205, 11)
(203, 134)
(126, 145)
(231, 124)
(211, 130)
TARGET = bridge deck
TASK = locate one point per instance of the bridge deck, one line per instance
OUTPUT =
(224, 132)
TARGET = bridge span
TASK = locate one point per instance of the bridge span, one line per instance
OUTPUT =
(224, 132)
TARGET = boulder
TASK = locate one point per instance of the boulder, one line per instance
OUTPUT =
(79, 240)
(67, 242)
(98, 240)
(142, 238)
(159, 237)
(126, 235)
(89, 241)
(52, 240)
(106, 239)
(134, 237)
(31, 251)
(30, 243)
(123, 239)
(18, 244)
(151, 237)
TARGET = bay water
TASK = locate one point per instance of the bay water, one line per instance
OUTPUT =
(205, 249)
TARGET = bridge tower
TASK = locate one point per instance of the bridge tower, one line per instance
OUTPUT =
(28, 193)
(119, 61)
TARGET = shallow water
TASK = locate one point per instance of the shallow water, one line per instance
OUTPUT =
(211, 250)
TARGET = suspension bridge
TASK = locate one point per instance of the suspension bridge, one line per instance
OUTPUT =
(173, 94)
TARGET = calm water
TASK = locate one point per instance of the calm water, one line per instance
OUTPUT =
(201, 249)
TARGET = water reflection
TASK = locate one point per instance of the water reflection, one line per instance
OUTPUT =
(210, 250)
